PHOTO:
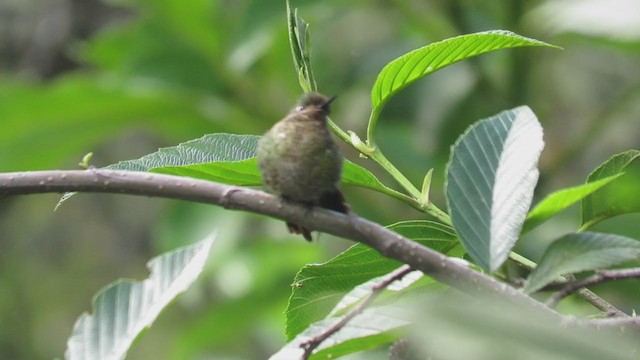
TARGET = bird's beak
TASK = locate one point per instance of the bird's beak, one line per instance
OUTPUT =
(326, 104)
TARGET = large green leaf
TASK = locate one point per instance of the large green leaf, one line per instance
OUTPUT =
(123, 309)
(229, 159)
(246, 173)
(224, 158)
(619, 198)
(562, 199)
(318, 287)
(418, 63)
(581, 252)
(243, 173)
(490, 182)
(356, 175)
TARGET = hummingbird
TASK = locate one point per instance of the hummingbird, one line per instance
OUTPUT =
(299, 160)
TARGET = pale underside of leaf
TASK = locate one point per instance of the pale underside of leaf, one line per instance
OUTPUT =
(123, 309)
(490, 182)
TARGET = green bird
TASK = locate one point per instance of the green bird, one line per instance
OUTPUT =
(299, 160)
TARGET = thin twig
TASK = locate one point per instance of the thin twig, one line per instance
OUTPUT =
(603, 305)
(310, 345)
(597, 278)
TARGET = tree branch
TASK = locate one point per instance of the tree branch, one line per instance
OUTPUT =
(447, 270)
(597, 278)
(388, 243)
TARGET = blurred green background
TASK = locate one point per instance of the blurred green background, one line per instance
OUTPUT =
(122, 78)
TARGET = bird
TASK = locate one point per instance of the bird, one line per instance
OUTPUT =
(300, 162)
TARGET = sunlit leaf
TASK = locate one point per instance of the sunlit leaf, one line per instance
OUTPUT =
(562, 199)
(619, 198)
(242, 173)
(490, 182)
(418, 63)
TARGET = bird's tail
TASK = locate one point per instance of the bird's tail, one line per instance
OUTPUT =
(334, 200)
(330, 200)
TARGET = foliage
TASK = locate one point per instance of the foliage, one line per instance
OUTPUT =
(173, 74)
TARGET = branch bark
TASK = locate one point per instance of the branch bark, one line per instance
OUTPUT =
(450, 271)
(387, 242)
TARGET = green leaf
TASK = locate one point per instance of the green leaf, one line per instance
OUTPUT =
(490, 182)
(242, 173)
(300, 49)
(562, 199)
(355, 175)
(226, 158)
(614, 200)
(426, 187)
(229, 159)
(418, 63)
(318, 287)
(123, 309)
(370, 329)
(581, 252)
(246, 172)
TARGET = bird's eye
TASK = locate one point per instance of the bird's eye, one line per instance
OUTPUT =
(299, 108)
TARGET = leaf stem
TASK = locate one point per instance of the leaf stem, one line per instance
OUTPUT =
(397, 195)
(371, 125)
(340, 133)
(429, 208)
(381, 160)
(437, 213)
